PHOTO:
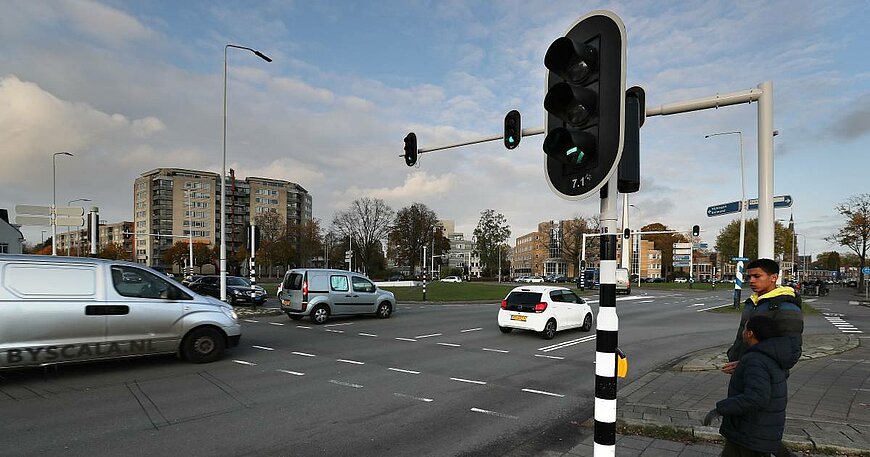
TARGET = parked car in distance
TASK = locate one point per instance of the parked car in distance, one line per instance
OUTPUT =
(397, 277)
(73, 309)
(681, 280)
(535, 279)
(239, 291)
(522, 279)
(320, 293)
(623, 285)
(544, 309)
(452, 279)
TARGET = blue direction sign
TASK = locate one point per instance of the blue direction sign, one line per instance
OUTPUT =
(681, 264)
(866, 270)
(681, 257)
(780, 201)
(725, 208)
(739, 259)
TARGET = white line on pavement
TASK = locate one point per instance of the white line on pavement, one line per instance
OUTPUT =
(553, 347)
(533, 391)
(715, 307)
(265, 348)
(453, 345)
(338, 325)
(696, 304)
(470, 381)
(302, 326)
(242, 362)
(493, 413)
(496, 350)
(407, 339)
(347, 384)
(471, 329)
(413, 397)
(427, 336)
(646, 301)
(251, 321)
(275, 323)
(354, 362)
(294, 373)
(303, 354)
(367, 334)
(403, 371)
(550, 357)
(333, 331)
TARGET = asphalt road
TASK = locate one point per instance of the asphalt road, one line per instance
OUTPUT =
(431, 380)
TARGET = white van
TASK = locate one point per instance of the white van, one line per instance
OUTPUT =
(321, 293)
(623, 284)
(68, 309)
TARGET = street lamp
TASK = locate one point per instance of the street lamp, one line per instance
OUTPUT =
(223, 259)
(54, 200)
(69, 237)
(738, 284)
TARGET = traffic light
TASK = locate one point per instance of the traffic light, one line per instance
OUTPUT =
(629, 164)
(626, 234)
(696, 230)
(411, 149)
(248, 238)
(94, 230)
(513, 130)
(585, 105)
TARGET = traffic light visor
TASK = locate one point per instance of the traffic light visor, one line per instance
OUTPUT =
(573, 62)
(571, 148)
(573, 105)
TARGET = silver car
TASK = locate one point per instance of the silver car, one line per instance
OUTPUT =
(321, 293)
(68, 309)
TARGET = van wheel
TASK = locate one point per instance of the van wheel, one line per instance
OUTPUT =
(505, 329)
(203, 345)
(320, 314)
(295, 317)
(587, 323)
(549, 330)
(384, 310)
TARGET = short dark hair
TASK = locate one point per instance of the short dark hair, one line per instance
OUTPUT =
(762, 327)
(769, 266)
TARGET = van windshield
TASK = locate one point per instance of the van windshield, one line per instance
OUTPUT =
(293, 282)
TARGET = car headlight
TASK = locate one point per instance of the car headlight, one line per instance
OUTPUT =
(231, 313)
(237, 292)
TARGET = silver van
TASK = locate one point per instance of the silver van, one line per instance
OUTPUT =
(68, 309)
(321, 293)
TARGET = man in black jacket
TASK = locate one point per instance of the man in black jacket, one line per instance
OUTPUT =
(753, 415)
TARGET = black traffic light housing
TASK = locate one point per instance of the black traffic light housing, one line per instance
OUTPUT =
(626, 234)
(411, 149)
(513, 130)
(248, 236)
(629, 164)
(585, 104)
(696, 230)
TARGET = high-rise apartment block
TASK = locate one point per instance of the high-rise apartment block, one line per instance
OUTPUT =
(175, 203)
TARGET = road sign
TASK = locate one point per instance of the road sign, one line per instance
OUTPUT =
(780, 201)
(70, 212)
(682, 245)
(701, 246)
(866, 270)
(681, 264)
(739, 259)
(682, 252)
(64, 221)
(724, 208)
(33, 220)
(33, 210)
(681, 257)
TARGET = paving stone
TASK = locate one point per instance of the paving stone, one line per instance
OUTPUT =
(670, 445)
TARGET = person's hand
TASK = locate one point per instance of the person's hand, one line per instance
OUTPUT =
(729, 368)
(710, 417)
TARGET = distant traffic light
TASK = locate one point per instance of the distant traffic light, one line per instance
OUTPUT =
(411, 149)
(696, 230)
(255, 238)
(585, 104)
(626, 233)
(513, 130)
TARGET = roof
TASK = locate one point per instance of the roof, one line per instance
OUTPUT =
(540, 289)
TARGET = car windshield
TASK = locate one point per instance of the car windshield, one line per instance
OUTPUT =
(236, 281)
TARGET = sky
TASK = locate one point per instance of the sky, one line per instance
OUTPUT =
(131, 86)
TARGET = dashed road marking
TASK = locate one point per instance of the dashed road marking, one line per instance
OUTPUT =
(400, 370)
(302, 326)
(550, 357)
(276, 323)
(367, 334)
(470, 381)
(407, 339)
(427, 400)
(541, 392)
(251, 321)
(333, 330)
(502, 351)
(453, 345)
(242, 362)
(294, 373)
(264, 348)
(427, 336)
(565, 344)
(346, 384)
(715, 307)
(303, 354)
(338, 325)
(352, 362)
(471, 329)
(493, 413)
(696, 304)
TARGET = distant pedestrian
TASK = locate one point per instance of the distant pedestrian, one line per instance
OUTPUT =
(753, 415)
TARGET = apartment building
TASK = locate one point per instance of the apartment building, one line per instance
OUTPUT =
(172, 204)
(76, 243)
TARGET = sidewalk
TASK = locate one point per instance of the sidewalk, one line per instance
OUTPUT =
(828, 409)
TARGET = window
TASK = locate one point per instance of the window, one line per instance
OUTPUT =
(338, 283)
(4, 248)
(134, 282)
(362, 285)
(564, 296)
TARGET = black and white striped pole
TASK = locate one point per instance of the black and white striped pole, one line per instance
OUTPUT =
(607, 330)
(94, 230)
(253, 241)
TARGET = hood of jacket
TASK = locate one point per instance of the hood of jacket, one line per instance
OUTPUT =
(779, 349)
(778, 295)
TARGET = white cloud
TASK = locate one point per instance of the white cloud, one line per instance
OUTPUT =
(418, 186)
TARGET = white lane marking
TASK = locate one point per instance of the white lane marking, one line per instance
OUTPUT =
(565, 344)
(413, 397)
(265, 348)
(541, 392)
(471, 329)
(303, 354)
(851, 331)
(338, 325)
(251, 321)
(646, 301)
(275, 323)
(550, 357)
(333, 331)
(427, 336)
(302, 326)
(493, 413)
(242, 362)
(470, 381)
(810, 300)
(496, 350)
(696, 304)
(294, 373)
(407, 339)
(453, 345)
(403, 371)
(367, 334)
(354, 362)
(346, 384)
(715, 307)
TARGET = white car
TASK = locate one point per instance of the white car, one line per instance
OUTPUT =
(544, 309)
(681, 280)
(452, 279)
(536, 279)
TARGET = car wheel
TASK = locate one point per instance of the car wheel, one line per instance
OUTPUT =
(384, 310)
(203, 345)
(505, 329)
(294, 317)
(587, 323)
(320, 314)
(549, 330)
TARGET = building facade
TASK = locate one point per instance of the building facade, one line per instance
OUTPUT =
(172, 204)
(11, 239)
(76, 243)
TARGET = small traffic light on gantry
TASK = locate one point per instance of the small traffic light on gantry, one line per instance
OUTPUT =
(513, 130)
(411, 149)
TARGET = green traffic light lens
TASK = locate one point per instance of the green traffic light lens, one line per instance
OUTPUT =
(577, 154)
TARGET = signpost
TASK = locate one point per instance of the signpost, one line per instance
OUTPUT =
(683, 256)
(781, 201)
(34, 215)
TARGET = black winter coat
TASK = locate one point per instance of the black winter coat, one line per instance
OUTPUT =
(784, 307)
(753, 415)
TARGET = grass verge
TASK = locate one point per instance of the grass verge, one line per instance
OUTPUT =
(462, 291)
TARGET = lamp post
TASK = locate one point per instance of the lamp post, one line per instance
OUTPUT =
(738, 283)
(223, 254)
(69, 237)
(54, 200)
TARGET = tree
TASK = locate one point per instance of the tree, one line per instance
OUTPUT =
(492, 230)
(828, 261)
(855, 235)
(572, 238)
(271, 226)
(367, 222)
(113, 251)
(413, 228)
(727, 242)
(177, 254)
(663, 242)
